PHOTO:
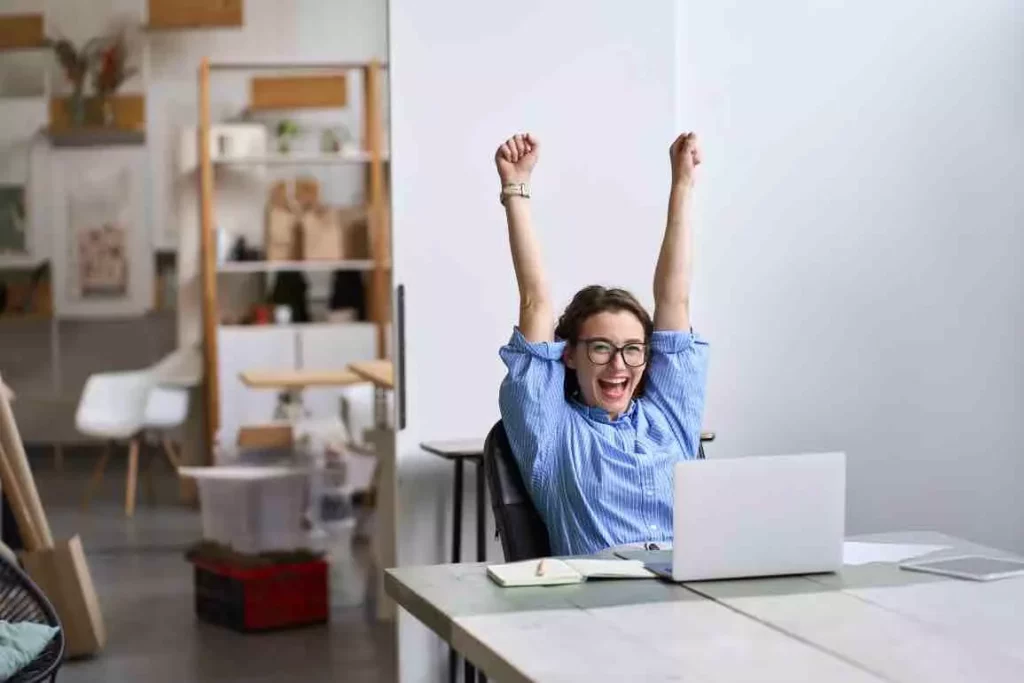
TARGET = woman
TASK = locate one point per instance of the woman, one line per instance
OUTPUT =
(599, 408)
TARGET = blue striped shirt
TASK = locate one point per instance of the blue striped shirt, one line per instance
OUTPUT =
(595, 481)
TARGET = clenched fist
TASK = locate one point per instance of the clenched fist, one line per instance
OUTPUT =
(685, 156)
(516, 158)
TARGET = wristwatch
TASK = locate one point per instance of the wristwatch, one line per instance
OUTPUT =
(514, 190)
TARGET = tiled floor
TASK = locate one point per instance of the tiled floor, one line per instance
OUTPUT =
(145, 590)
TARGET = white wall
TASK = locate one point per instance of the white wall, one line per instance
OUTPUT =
(595, 82)
(859, 247)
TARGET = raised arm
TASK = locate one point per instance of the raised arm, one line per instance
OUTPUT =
(675, 262)
(515, 160)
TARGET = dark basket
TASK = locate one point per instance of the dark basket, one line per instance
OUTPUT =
(21, 600)
(263, 598)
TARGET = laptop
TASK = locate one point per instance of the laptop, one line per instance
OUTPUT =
(755, 516)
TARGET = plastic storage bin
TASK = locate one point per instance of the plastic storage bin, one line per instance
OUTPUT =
(254, 509)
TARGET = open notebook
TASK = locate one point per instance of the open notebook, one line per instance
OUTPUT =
(553, 572)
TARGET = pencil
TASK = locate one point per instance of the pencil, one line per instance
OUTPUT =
(540, 567)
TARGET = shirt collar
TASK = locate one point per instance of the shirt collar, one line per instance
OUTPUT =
(600, 414)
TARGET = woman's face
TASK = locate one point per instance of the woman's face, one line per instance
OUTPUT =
(609, 359)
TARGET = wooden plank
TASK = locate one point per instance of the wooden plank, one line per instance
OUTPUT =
(21, 31)
(297, 92)
(15, 457)
(380, 372)
(182, 14)
(266, 436)
(208, 264)
(22, 515)
(299, 379)
(129, 113)
(380, 238)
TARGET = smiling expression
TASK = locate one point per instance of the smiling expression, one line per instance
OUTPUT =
(609, 386)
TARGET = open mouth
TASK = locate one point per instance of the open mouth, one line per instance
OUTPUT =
(613, 389)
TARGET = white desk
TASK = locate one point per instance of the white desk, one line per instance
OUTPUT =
(867, 623)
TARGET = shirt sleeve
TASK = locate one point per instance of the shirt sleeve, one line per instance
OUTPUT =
(676, 383)
(532, 402)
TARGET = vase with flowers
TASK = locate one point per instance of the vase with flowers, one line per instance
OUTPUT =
(110, 72)
(75, 63)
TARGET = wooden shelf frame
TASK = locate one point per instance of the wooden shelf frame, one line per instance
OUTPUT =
(373, 157)
(22, 32)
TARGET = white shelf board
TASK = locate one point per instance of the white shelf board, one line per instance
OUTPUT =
(296, 326)
(308, 266)
(298, 159)
(15, 261)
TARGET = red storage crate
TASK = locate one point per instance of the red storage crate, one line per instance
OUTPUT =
(261, 598)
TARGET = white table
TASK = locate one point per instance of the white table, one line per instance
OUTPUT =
(873, 622)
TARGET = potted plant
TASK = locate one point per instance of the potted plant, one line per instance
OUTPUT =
(287, 130)
(75, 63)
(110, 72)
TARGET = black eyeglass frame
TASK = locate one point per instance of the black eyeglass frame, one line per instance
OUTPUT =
(620, 350)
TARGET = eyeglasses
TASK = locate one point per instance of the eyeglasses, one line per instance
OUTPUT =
(601, 352)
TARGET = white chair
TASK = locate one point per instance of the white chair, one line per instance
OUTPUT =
(126, 406)
(113, 408)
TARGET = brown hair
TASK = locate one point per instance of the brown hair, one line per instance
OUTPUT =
(590, 301)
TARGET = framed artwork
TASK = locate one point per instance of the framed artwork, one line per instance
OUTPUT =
(103, 260)
(13, 220)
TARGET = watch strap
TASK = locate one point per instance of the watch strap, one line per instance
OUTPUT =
(514, 190)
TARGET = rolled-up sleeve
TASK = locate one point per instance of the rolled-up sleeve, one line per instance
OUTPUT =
(532, 402)
(677, 382)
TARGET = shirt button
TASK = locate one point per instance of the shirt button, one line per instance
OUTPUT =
(654, 527)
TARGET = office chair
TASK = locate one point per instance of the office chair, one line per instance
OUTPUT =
(519, 526)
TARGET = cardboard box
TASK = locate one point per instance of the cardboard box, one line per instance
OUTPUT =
(282, 235)
(321, 235)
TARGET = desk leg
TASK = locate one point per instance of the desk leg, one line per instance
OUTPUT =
(481, 515)
(453, 657)
(457, 514)
(481, 531)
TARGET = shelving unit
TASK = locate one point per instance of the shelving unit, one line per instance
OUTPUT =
(372, 157)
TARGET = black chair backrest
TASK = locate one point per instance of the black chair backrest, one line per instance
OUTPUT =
(520, 528)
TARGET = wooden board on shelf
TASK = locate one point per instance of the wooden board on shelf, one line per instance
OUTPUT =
(184, 14)
(306, 266)
(299, 379)
(380, 372)
(297, 92)
(21, 31)
(129, 113)
(276, 435)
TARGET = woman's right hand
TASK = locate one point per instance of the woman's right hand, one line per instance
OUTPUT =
(516, 158)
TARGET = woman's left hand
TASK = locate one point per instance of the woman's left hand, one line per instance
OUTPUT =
(685, 156)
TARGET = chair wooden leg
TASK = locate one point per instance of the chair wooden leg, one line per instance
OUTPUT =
(132, 480)
(150, 464)
(97, 475)
(172, 455)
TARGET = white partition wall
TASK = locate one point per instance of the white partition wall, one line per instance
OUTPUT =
(859, 247)
(595, 81)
